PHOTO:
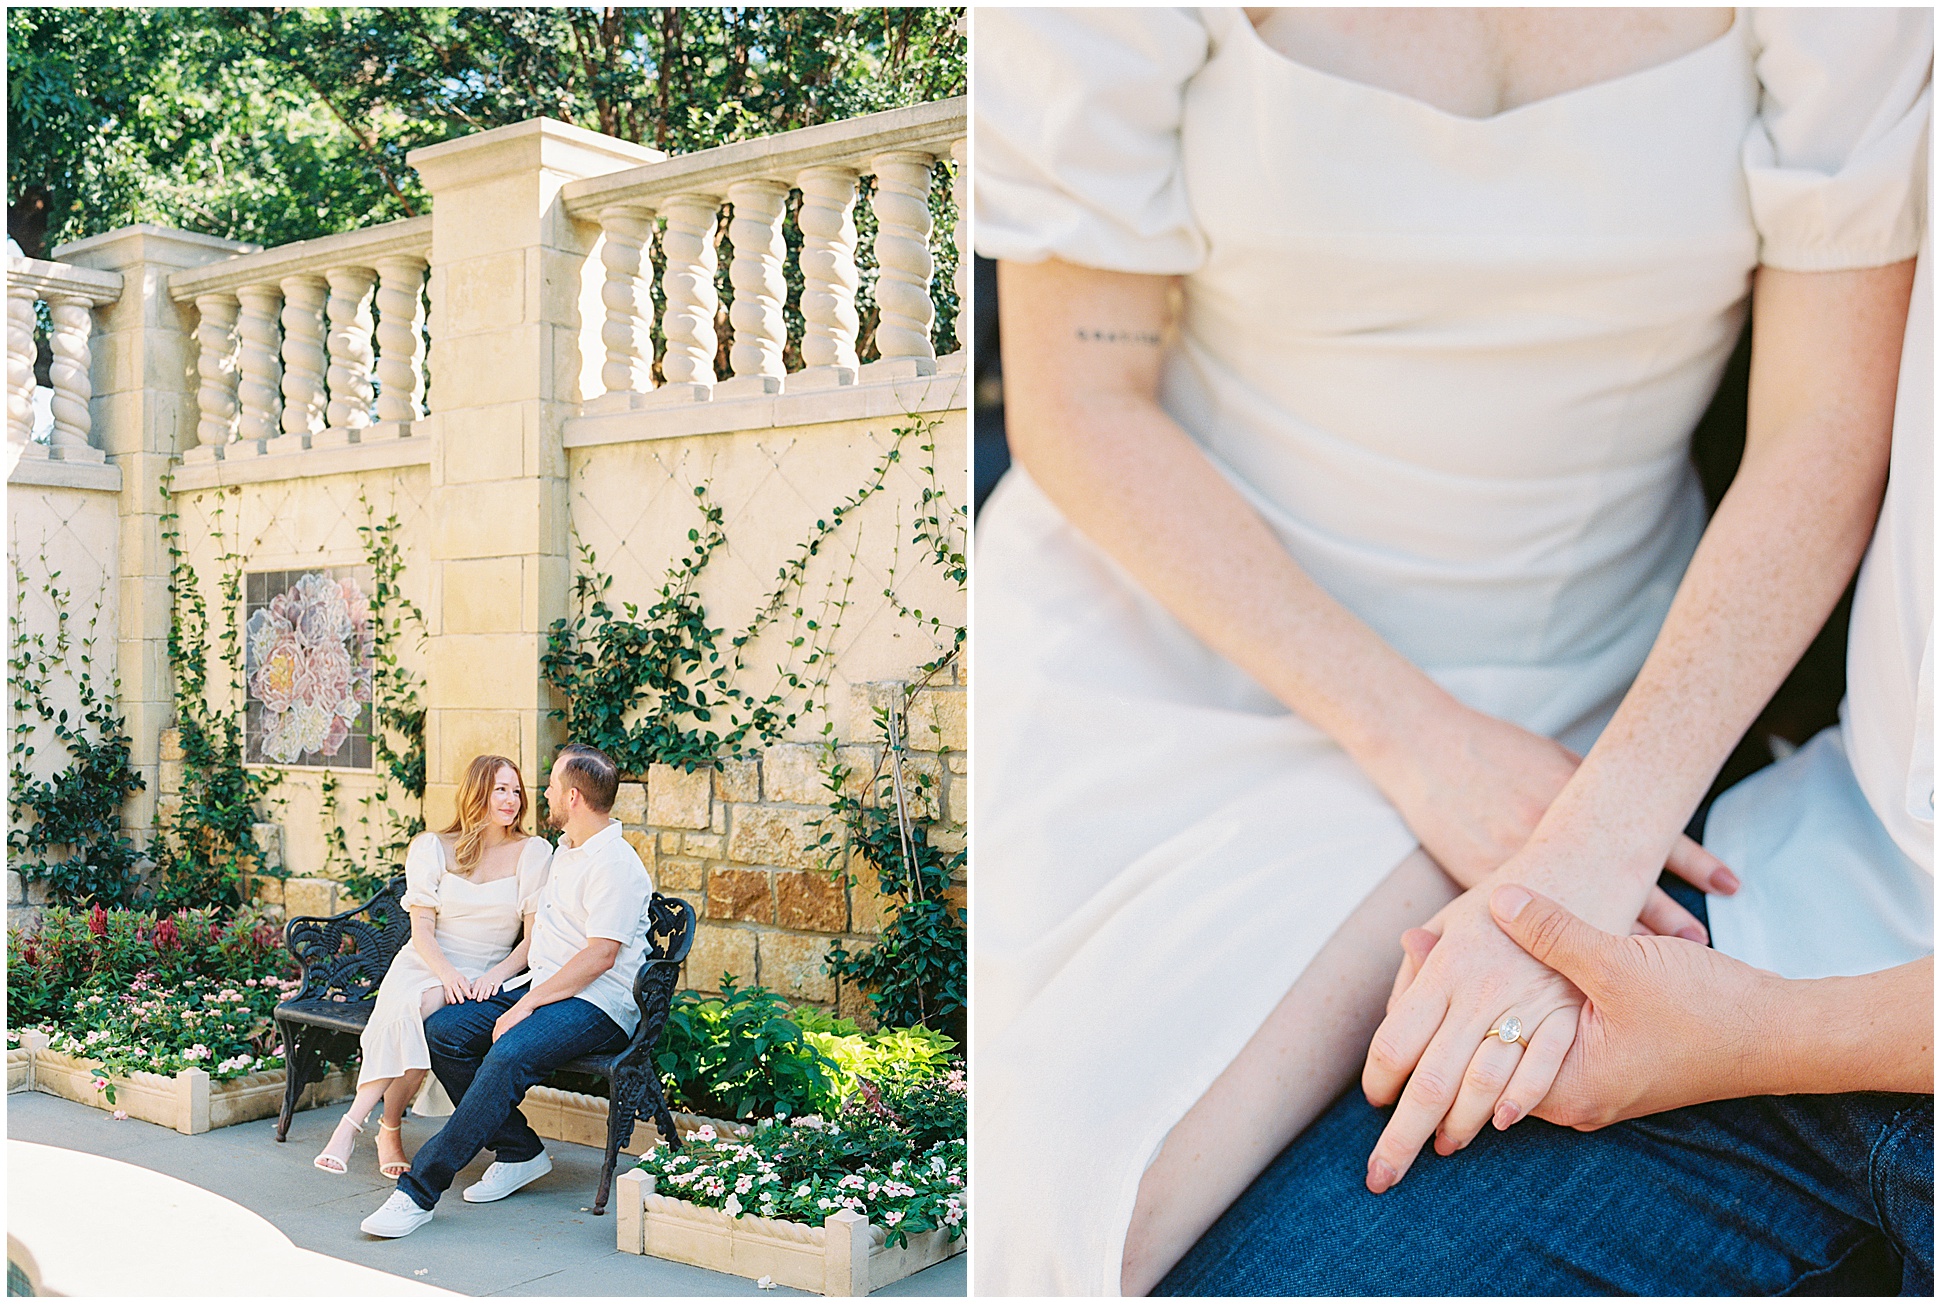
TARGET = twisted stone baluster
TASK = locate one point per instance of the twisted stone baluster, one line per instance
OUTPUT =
(304, 398)
(73, 387)
(829, 280)
(256, 358)
(688, 322)
(400, 338)
(755, 233)
(20, 364)
(902, 205)
(215, 336)
(350, 346)
(961, 238)
(626, 333)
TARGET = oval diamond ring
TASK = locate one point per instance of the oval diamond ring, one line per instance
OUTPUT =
(1510, 1030)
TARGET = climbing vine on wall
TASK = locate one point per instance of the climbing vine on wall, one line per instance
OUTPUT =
(65, 830)
(205, 844)
(658, 686)
(393, 812)
(917, 972)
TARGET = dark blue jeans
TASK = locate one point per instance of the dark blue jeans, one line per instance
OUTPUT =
(1773, 1195)
(486, 1080)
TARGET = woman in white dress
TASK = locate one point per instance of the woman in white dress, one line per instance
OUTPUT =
(1350, 363)
(471, 891)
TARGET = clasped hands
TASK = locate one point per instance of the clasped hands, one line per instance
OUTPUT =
(1474, 807)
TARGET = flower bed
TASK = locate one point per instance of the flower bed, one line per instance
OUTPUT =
(574, 1116)
(189, 1100)
(845, 1255)
(792, 1199)
(165, 1018)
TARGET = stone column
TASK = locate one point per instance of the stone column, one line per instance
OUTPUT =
(516, 318)
(145, 412)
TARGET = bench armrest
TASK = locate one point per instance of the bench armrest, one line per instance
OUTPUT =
(345, 956)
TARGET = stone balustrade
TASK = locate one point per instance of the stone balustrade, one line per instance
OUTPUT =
(317, 344)
(682, 199)
(71, 295)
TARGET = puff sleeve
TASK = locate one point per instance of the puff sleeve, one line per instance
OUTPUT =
(1077, 120)
(424, 870)
(535, 867)
(1836, 158)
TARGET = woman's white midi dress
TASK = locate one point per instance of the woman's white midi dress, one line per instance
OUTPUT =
(478, 925)
(1455, 364)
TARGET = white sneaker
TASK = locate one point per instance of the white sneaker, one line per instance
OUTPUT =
(399, 1216)
(501, 1180)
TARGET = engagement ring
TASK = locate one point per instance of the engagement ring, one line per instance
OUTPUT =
(1510, 1030)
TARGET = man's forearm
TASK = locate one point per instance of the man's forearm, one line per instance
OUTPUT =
(1870, 1033)
(573, 977)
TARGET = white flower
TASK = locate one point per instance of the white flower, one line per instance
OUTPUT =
(764, 1283)
(802, 1192)
(733, 1206)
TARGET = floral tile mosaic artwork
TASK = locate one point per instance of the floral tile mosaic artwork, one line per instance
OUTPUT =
(308, 638)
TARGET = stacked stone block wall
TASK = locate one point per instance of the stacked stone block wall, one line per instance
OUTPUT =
(740, 844)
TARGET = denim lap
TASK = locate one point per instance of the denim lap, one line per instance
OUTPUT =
(486, 1080)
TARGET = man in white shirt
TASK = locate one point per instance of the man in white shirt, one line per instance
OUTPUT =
(588, 940)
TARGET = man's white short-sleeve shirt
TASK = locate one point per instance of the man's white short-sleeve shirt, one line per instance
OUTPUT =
(597, 889)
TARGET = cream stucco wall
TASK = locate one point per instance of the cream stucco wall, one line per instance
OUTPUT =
(70, 535)
(292, 524)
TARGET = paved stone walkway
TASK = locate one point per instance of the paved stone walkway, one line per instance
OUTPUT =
(541, 1241)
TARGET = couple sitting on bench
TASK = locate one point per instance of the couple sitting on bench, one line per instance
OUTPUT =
(521, 960)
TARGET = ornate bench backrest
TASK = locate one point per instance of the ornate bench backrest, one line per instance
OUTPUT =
(345, 956)
(670, 932)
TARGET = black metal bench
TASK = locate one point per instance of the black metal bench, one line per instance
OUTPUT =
(345, 956)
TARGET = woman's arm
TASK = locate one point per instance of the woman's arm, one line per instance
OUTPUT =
(424, 936)
(494, 978)
(1670, 1024)
(1082, 354)
(1826, 355)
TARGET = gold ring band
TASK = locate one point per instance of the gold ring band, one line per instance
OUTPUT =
(1510, 1030)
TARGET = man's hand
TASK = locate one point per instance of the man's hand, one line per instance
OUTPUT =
(1665, 1023)
(511, 1019)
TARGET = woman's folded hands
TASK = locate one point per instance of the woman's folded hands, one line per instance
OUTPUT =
(1472, 789)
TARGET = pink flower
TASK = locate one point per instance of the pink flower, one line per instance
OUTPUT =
(120, 1116)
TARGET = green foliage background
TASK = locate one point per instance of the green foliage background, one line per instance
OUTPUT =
(282, 124)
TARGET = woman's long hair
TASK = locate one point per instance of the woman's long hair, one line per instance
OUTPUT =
(475, 809)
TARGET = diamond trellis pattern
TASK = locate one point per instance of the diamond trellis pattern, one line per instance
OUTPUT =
(301, 524)
(66, 537)
(634, 504)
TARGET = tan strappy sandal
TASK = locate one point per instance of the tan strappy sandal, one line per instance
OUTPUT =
(330, 1163)
(396, 1168)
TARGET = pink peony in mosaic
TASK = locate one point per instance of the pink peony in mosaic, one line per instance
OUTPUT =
(308, 641)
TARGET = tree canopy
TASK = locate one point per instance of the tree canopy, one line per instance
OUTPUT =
(272, 125)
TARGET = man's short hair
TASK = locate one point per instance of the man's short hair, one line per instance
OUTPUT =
(593, 773)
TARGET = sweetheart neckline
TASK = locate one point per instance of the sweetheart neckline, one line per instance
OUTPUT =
(1261, 45)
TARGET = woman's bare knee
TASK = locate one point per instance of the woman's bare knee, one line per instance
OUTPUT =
(1309, 1049)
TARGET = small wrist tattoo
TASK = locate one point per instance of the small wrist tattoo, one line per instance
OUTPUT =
(1118, 337)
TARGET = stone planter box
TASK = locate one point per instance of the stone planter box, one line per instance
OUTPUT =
(188, 1102)
(582, 1119)
(20, 1070)
(847, 1255)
